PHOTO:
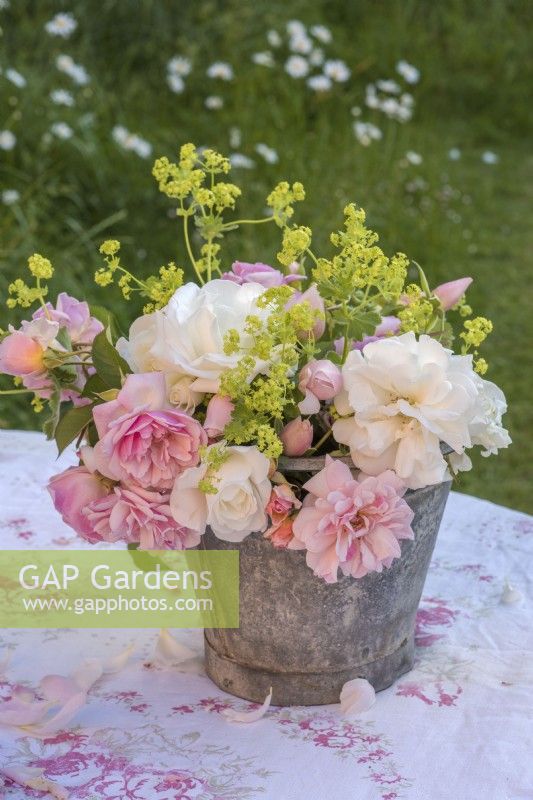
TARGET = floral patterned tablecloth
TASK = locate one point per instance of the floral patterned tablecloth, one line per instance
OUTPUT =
(458, 726)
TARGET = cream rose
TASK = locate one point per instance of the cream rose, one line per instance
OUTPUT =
(238, 507)
(186, 338)
(407, 395)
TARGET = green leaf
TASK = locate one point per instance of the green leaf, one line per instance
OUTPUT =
(109, 365)
(94, 385)
(334, 357)
(108, 320)
(363, 323)
(54, 403)
(71, 425)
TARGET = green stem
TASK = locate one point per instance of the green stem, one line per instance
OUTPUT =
(247, 222)
(189, 248)
(320, 442)
(16, 391)
(41, 299)
(315, 259)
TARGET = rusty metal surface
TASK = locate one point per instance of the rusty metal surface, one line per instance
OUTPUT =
(304, 637)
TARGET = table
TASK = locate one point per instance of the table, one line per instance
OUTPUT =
(458, 726)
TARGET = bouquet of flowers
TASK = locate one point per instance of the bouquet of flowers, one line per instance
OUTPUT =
(188, 420)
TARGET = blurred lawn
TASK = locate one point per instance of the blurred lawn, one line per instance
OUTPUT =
(455, 217)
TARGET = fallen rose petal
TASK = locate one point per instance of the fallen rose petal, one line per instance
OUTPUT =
(33, 778)
(118, 662)
(5, 661)
(88, 673)
(57, 721)
(357, 695)
(510, 595)
(169, 651)
(248, 716)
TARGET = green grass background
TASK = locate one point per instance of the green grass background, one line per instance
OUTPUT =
(466, 217)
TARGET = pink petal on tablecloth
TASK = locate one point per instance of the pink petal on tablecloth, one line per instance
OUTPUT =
(169, 652)
(357, 695)
(33, 778)
(248, 716)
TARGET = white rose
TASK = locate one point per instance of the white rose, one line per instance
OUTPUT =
(407, 395)
(486, 427)
(137, 349)
(238, 507)
(186, 338)
(180, 393)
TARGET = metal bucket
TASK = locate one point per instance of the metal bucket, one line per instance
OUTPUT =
(306, 638)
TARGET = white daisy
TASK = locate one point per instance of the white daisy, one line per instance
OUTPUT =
(131, 141)
(263, 59)
(366, 133)
(16, 78)
(274, 39)
(489, 157)
(337, 70)
(409, 73)
(179, 65)
(61, 97)
(300, 43)
(319, 83)
(235, 137)
(321, 33)
(316, 58)
(296, 67)
(213, 102)
(220, 70)
(268, 153)
(389, 86)
(62, 24)
(295, 28)
(10, 196)
(240, 161)
(176, 83)
(61, 130)
(413, 158)
(66, 64)
(8, 140)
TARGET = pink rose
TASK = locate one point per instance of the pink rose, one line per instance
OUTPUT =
(319, 380)
(313, 297)
(20, 355)
(74, 316)
(451, 292)
(282, 502)
(142, 440)
(133, 514)
(353, 524)
(297, 437)
(219, 411)
(242, 272)
(281, 535)
(71, 492)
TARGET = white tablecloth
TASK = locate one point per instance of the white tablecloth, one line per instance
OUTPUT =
(457, 727)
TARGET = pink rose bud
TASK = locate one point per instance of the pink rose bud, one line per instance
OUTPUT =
(72, 491)
(243, 272)
(387, 327)
(313, 297)
(319, 380)
(20, 355)
(450, 293)
(297, 437)
(219, 411)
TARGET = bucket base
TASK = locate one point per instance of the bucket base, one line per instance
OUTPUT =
(303, 688)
